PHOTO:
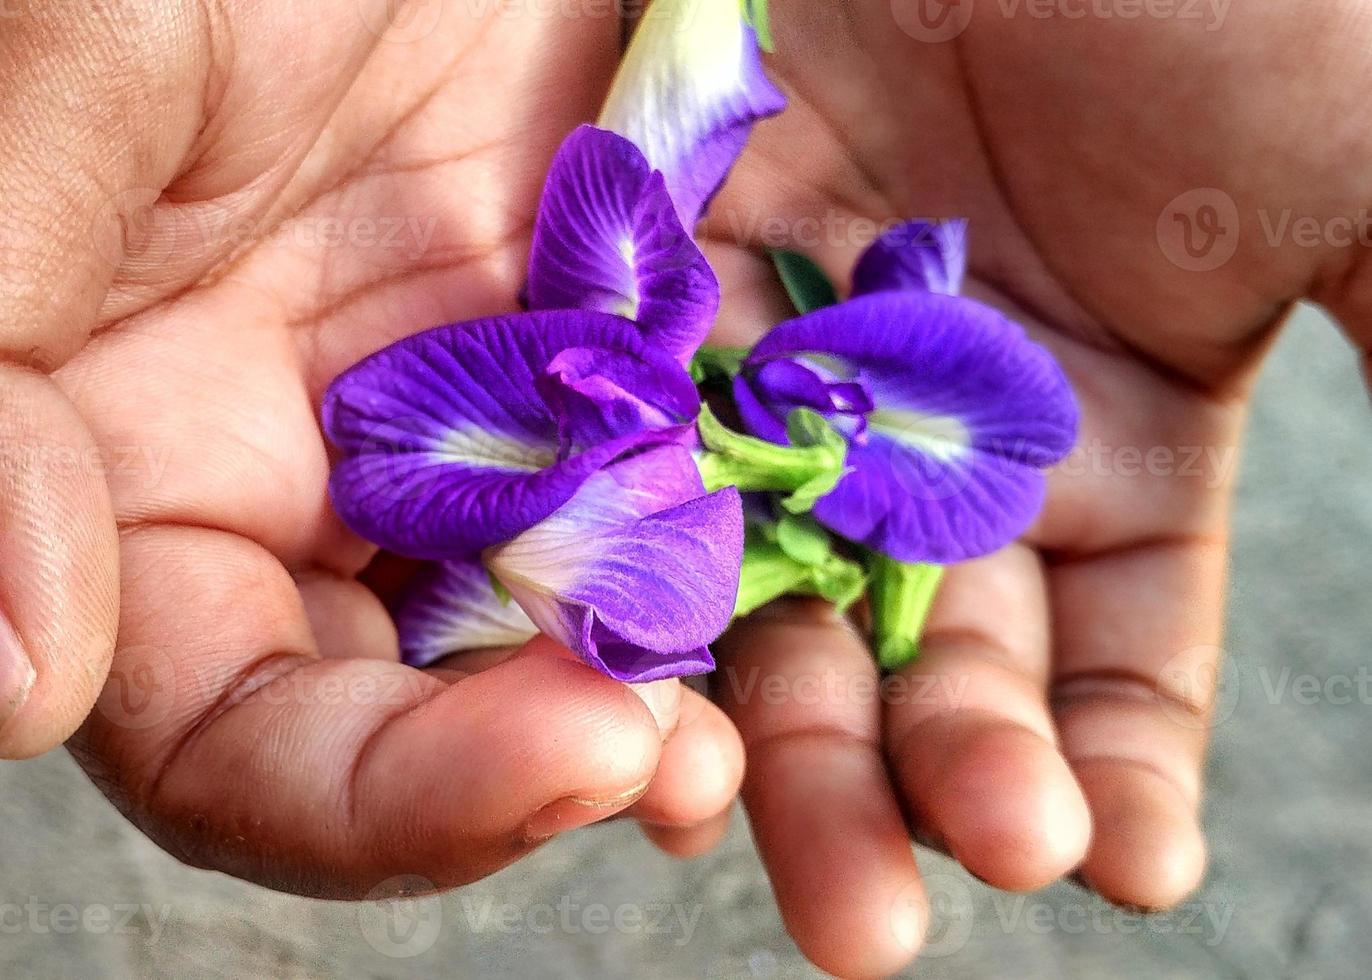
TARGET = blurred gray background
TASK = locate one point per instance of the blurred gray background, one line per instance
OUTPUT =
(1289, 813)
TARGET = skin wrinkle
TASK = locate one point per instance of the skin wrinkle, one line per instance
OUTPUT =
(822, 733)
(248, 680)
(1163, 540)
(108, 125)
(367, 749)
(1097, 331)
(988, 646)
(1143, 765)
(387, 137)
(319, 319)
(1083, 686)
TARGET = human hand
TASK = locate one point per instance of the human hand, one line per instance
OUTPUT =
(1057, 718)
(219, 208)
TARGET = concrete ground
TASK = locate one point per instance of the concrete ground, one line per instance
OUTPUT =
(1289, 814)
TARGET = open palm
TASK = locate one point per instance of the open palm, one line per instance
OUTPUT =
(1057, 718)
(301, 187)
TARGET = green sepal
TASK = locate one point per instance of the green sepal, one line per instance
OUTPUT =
(805, 282)
(717, 362)
(839, 580)
(766, 573)
(803, 540)
(755, 13)
(901, 594)
(498, 587)
(772, 569)
(806, 470)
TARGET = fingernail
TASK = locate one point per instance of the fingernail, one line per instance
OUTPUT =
(663, 699)
(16, 673)
(572, 812)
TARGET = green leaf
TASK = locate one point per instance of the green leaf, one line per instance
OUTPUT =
(755, 13)
(804, 540)
(901, 596)
(805, 282)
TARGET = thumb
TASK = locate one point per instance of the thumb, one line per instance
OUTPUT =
(66, 139)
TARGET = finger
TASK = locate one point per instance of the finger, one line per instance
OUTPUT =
(802, 689)
(697, 779)
(969, 735)
(58, 566)
(688, 842)
(1136, 584)
(227, 739)
(1134, 686)
(701, 765)
(346, 618)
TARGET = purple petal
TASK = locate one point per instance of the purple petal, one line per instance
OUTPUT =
(608, 238)
(968, 411)
(845, 402)
(599, 394)
(451, 607)
(689, 90)
(449, 447)
(916, 509)
(921, 255)
(637, 572)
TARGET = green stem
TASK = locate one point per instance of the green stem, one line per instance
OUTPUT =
(767, 573)
(804, 470)
(901, 595)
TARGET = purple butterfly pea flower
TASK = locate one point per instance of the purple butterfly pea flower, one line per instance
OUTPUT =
(951, 412)
(452, 606)
(462, 436)
(921, 255)
(547, 447)
(635, 574)
(688, 92)
(608, 238)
